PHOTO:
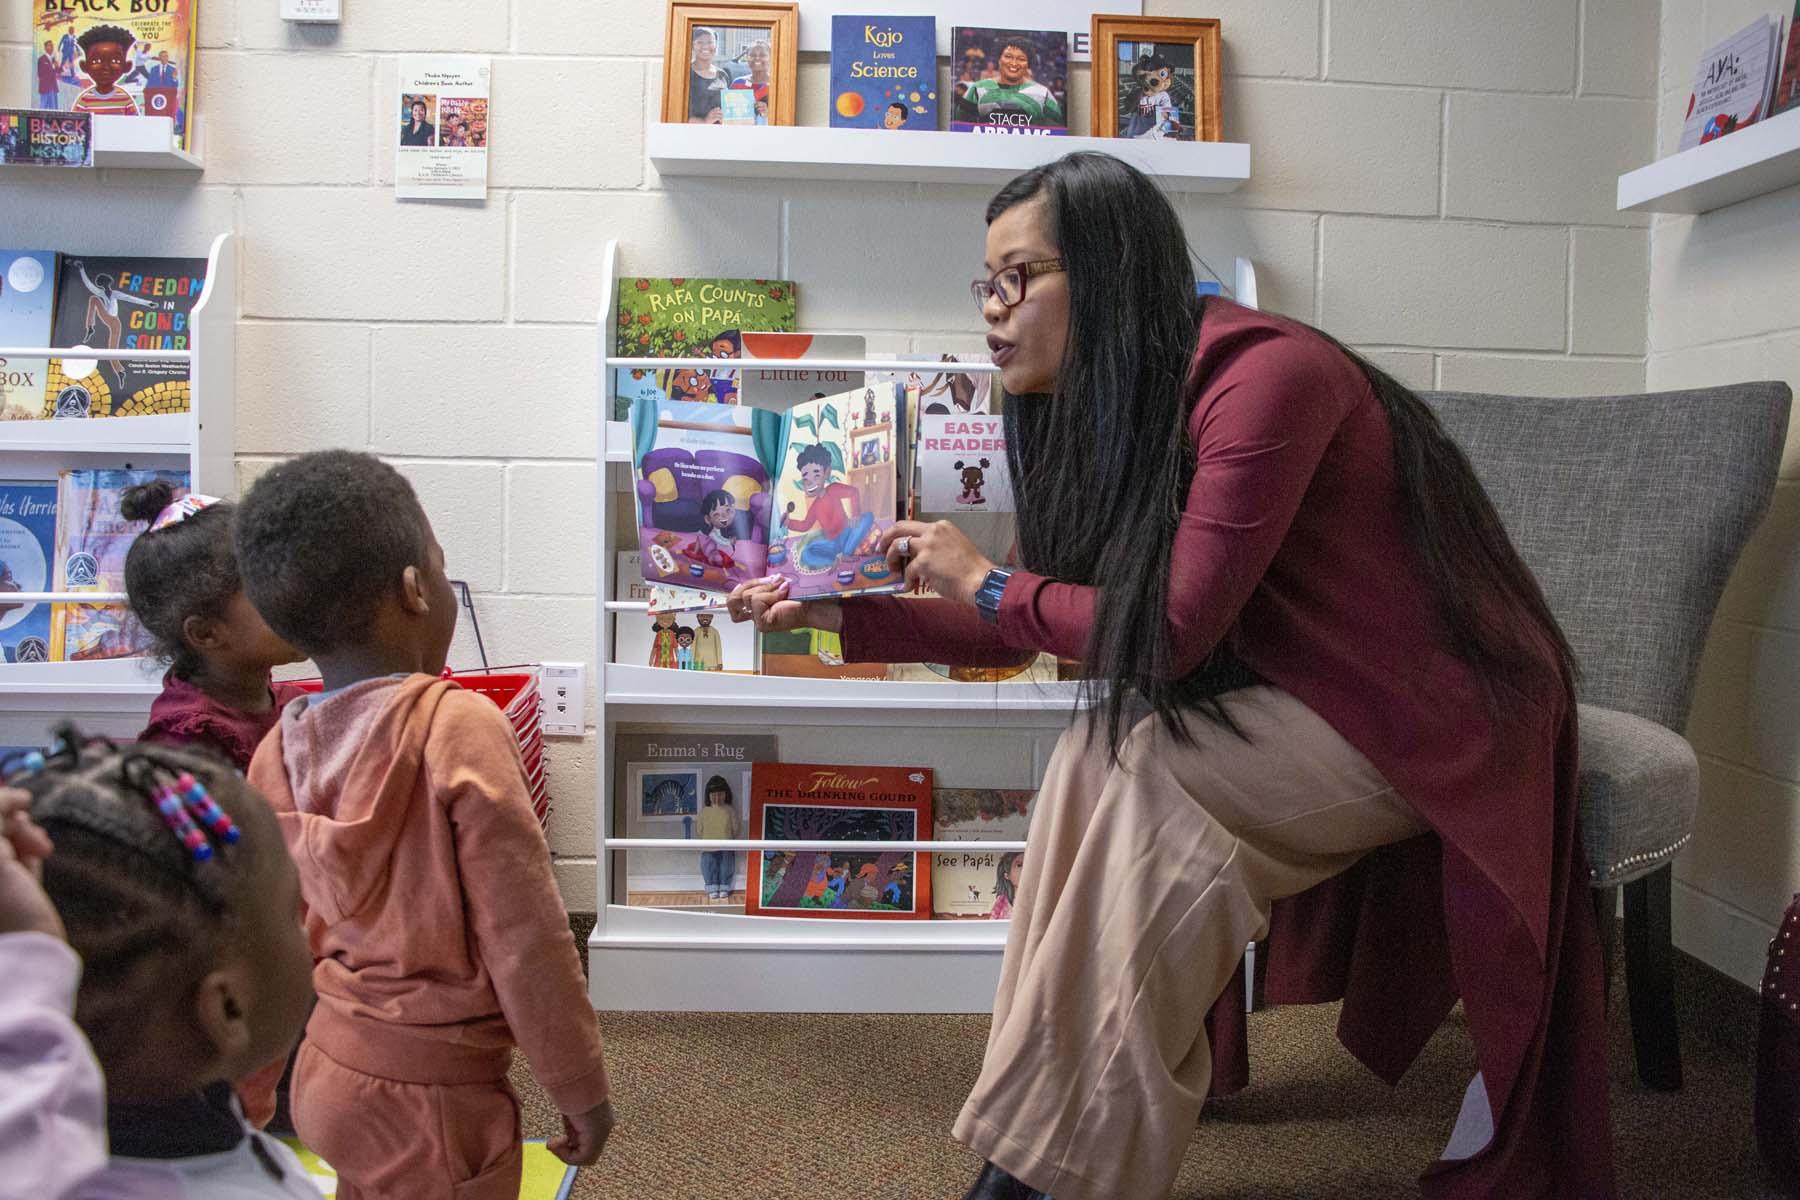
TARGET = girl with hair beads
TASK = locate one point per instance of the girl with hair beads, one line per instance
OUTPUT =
(170, 876)
(182, 578)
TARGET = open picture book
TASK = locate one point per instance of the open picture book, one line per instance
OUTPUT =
(729, 493)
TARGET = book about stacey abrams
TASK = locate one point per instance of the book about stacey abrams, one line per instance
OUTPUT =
(884, 73)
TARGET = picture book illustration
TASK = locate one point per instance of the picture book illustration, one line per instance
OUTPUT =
(692, 318)
(1009, 81)
(837, 492)
(654, 639)
(27, 309)
(703, 491)
(813, 654)
(92, 540)
(728, 493)
(670, 785)
(976, 883)
(116, 59)
(884, 72)
(27, 552)
(800, 801)
(107, 303)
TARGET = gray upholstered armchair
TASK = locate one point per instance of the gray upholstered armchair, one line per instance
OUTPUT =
(1632, 511)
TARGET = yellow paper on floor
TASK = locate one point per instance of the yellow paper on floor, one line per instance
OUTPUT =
(546, 1176)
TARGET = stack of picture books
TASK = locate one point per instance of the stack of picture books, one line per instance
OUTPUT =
(97, 303)
(716, 785)
(68, 536)
(780, 484)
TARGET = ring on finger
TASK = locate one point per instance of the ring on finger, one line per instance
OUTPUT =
(904, 546)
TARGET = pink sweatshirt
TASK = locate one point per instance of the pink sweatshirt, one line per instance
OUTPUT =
(439, 938)
(52, 1099)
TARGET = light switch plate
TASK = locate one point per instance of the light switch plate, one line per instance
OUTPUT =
(312, 10)
(562, 695)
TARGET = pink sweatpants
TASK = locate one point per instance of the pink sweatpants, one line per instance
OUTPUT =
(408, 1141)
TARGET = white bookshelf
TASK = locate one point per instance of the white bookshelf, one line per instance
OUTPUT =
(198, 441)
(787, 152)
(686, 960)
(1739, 166)
(127, 143)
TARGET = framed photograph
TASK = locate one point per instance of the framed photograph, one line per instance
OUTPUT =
(717, 49)
(1157, 78)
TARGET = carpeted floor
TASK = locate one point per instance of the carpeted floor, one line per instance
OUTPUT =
(765, 1107)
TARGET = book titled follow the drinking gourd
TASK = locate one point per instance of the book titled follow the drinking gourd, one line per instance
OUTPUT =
(729, 493)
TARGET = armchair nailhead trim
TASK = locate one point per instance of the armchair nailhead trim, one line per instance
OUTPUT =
(1637, 860)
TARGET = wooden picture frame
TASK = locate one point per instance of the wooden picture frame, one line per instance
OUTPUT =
(780, 22)
(1199, 36)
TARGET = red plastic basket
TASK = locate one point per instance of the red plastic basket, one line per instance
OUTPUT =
(516, 694)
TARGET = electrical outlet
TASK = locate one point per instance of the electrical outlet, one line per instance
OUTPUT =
(562, 696)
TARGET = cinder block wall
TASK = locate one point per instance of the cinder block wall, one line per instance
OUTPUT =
(1433, 182)
(1724, 308)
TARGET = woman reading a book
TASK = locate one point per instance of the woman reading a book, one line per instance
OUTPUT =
(1318, 678)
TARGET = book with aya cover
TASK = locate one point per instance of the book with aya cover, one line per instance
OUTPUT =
(1733, 82)
(728, 493)
(811, 802)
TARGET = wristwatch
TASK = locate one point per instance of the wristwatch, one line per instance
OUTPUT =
(987, 596)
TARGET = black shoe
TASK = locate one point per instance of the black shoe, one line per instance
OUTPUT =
(995, 1184)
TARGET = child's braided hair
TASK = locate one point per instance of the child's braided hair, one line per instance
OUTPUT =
(147, 917)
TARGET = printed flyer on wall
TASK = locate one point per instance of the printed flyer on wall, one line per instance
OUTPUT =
(442, 147)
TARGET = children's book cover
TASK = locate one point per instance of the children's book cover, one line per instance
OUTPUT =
(692, 318)
(884, 72)
(978, 884)
(29, 138)
(810, 802)
(27, 310)
(1009, 81)
(27, 551)
(729, 493)
(1731, 84)
(836, 493)
(105, 303)
(117, 57)
(691, 639)
(962, 464)
(780, 388)
(812, 654)
(92, 540)
(1787, 86)
(664, 784)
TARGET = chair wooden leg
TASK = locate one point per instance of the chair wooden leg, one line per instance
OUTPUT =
(1606, 908)
(1650, 980)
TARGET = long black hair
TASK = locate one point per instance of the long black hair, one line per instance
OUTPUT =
(1124, 396)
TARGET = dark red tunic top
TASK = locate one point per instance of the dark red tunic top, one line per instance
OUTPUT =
(183, 715)
(1293, 532)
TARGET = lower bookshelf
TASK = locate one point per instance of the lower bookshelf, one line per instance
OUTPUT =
(662, 960)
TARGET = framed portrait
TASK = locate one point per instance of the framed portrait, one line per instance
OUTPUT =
(731, 64)
(1157, 78)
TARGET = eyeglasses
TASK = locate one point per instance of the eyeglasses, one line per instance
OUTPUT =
(1008, 283)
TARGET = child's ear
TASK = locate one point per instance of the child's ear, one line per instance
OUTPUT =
(203, 633)
(412, 592)
(222, 1013)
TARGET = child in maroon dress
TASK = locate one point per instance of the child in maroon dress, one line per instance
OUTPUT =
(182, 581)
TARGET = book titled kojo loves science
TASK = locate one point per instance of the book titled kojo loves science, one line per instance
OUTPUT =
(884, 73)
